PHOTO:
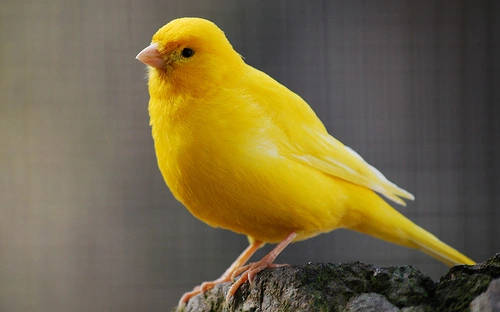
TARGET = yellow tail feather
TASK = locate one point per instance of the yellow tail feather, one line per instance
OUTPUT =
(431, 245)
(384, 222)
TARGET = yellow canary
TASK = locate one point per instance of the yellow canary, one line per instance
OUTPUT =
(244, 153)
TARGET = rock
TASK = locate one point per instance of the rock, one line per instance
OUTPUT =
(355, 287)
(370, 302)
(463, 283)
(420, 308)
(488, 301)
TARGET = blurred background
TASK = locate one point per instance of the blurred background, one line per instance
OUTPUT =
(87, 223)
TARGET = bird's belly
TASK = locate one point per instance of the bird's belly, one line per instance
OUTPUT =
(260, 195)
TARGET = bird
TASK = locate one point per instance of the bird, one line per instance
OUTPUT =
(244, 153)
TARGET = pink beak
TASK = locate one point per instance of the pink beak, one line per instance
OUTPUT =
(150, 56)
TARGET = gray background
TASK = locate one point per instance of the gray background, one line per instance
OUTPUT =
(87, 223)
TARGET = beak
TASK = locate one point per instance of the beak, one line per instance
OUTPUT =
(150, 56)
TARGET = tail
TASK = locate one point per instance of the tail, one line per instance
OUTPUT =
(384, 222)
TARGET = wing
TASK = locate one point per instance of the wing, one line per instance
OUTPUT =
(325, 153)
(308, 142)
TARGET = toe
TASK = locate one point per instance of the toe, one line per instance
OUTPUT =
(243, 278)
(251, 276)
(248, 273)
(240, 270)
(206, 286)
(185, 298)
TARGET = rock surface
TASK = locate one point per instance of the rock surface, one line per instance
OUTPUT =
(360, 287)
(488, 301)
(370, 302)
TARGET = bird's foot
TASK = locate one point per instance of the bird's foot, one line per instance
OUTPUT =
(248, 273)
(226, 277)
(202, 288)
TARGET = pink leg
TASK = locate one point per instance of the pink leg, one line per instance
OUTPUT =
(249, 271)
(226, 277)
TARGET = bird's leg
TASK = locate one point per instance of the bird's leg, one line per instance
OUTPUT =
(249, 271)
(226, 277)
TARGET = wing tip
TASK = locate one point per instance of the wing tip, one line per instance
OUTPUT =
(398, 192)
(397, 195)
(395, 199)
(406, 194)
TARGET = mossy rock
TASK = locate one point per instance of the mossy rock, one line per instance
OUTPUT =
(349, 287)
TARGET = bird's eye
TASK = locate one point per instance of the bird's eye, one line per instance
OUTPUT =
(187, 52)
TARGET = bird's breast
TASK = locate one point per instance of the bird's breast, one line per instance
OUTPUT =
(208, 161)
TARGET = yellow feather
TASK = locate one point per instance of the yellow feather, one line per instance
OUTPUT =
(244, 153)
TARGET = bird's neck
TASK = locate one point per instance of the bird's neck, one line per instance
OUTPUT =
(165, 112)
(166, 99)
(172, 102)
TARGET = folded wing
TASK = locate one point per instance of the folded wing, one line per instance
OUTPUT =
(323, 152)
(305, 139)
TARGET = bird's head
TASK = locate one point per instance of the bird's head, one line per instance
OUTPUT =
(190, 56)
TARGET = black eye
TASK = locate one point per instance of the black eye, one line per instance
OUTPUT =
(187, 52)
